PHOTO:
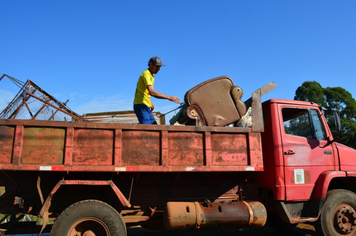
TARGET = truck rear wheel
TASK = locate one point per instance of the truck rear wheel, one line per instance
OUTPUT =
(338, 216)
(89, 218)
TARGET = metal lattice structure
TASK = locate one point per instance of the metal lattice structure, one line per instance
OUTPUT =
(32, 102)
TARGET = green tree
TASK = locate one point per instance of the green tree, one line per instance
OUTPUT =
(334, 99)
(311, 91)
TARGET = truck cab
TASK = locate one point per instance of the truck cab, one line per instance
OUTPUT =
(303, 163)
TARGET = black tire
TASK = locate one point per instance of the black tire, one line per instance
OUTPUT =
(91, 217)
(338, 215)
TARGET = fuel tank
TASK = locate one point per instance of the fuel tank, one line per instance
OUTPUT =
(206, 214)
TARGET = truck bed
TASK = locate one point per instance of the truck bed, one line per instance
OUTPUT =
(81, 147)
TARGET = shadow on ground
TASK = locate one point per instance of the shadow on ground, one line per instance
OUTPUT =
(301, 230)
(264, 231)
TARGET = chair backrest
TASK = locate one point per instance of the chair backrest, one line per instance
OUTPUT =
(219, 101)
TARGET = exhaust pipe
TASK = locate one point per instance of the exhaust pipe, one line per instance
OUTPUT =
(195, 214)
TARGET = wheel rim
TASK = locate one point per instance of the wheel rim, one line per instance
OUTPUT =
(89, 227)
(345, 219)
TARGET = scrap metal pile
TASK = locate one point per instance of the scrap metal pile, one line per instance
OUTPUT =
(32, 102)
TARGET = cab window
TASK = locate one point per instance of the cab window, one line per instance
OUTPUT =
(318, 126)
(296, 122)
(303, 122)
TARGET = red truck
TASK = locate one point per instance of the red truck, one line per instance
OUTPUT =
(99, 178)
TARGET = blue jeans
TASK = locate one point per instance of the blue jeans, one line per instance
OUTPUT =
(144, 114)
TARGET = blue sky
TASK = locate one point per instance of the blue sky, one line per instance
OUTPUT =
(92, 52)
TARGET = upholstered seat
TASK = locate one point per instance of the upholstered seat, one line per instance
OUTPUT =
(215, 102)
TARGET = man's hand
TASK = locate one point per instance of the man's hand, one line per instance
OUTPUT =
(156, 94)
(174, 99)
(152, 106)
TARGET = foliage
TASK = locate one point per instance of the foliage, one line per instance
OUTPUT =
(311, 91)
(334, 99)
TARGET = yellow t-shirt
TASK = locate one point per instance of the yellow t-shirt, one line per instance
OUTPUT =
(142, 95)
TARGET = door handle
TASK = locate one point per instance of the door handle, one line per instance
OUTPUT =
(290, 152)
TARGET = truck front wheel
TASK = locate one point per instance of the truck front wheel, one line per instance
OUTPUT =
(89, 217)
(338, 216)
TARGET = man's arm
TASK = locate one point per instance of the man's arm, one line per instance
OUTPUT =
(157, 94)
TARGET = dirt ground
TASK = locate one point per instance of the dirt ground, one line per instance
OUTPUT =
(301, 230)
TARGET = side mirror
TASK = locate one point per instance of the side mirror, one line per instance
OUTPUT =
(337, 122)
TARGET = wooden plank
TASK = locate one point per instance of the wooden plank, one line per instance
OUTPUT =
(164, 146)
(7, 134)
(186, 149)
(93, 147)
(18, 144)
(68, 150)
(43, 145)
(208, 154)
(137, 127)
(118, 147)
(141, 148)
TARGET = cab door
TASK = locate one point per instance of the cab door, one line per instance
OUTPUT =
(307, 153)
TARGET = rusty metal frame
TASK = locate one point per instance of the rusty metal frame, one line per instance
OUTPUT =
(60, 108)
(256, 104)
(27, 94)
(110, 183)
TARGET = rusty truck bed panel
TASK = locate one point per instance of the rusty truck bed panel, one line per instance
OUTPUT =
(65, 146)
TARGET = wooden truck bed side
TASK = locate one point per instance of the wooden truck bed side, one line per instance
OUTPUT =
(65, 146)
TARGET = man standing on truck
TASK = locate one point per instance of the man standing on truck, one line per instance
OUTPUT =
(143, 106)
